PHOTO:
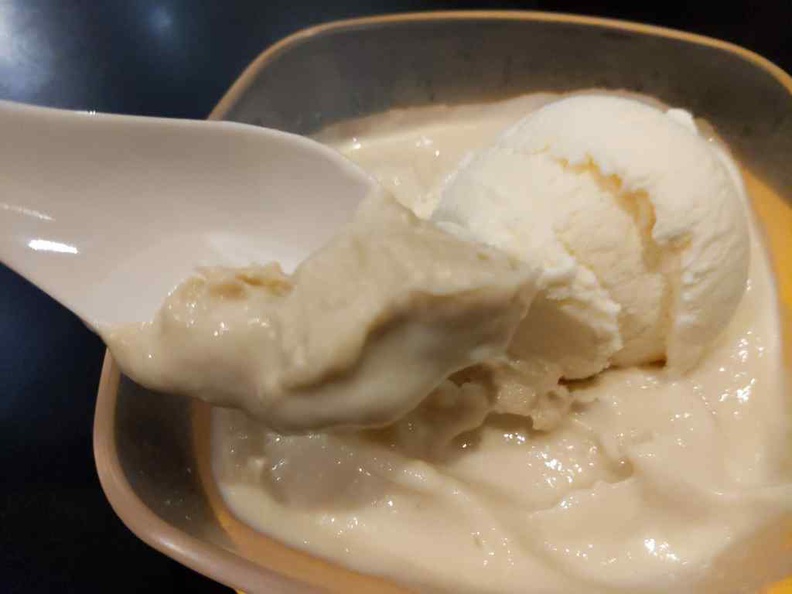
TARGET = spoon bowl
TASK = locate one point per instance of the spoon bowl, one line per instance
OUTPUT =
(108, 213)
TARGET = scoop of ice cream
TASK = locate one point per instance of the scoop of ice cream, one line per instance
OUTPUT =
(362, 332)
(635, 219)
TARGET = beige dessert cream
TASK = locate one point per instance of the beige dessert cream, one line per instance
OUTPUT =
(563, 375)
(357, 336)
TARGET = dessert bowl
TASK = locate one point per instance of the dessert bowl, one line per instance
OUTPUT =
(152, 450)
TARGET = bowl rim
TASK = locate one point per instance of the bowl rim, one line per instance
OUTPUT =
(212, 560)
(248, 75)
(206, 559)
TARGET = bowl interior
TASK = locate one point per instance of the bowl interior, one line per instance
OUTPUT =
(152, 449)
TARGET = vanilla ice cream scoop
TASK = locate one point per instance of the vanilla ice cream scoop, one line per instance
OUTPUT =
(636, 220)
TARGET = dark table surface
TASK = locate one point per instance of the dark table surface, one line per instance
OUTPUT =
(165, 58)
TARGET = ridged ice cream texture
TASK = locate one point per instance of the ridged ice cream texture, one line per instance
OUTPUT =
(636, 221)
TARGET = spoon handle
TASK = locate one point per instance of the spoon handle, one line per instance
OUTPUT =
(108, 213)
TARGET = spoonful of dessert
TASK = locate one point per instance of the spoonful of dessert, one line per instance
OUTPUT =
(108, 214)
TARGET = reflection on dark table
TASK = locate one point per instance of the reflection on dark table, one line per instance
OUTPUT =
(166, 58)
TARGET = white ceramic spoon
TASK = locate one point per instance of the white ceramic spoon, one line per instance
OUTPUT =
(108, 213)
